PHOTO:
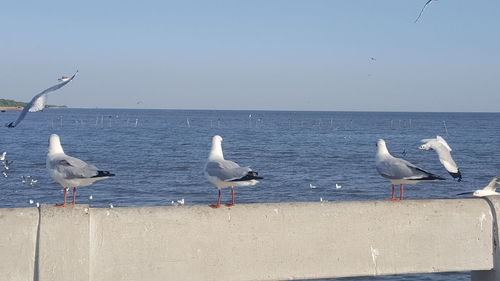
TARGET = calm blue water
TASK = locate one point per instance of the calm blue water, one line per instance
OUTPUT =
(161, 157)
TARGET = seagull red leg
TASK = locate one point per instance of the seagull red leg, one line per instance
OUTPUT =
(401, 189)
(218, 202)
(63, 204)
(232, 197)
(74, 196)
(392, 197)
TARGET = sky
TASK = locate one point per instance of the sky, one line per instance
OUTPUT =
(255, 55)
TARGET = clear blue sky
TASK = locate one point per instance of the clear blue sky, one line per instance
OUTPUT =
(284, 55)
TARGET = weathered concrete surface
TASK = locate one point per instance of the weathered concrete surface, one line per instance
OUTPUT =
(290, 240)
(64, 243)
(492, 275)
(18, 234)
(248, 242)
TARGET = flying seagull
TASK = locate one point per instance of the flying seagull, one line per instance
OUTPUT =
(421, 12)
(224, 173)
(488, 190)
(37, 103)
(70, 171)
(399, 171)
(443, 150)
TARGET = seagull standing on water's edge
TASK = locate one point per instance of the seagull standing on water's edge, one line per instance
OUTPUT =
(399, 171)
(224, 173)
(37, 103)
(443, 150)
(70, 171)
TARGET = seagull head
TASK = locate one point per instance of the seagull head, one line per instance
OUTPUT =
(381, 147)
(216, 151)
(217, 139)
(55, 144)
(425, 146)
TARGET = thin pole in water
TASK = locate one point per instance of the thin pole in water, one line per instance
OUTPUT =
(445, 129)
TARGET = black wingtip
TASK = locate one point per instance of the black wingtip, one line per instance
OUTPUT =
(101, 174)
(432, 177)
(10, 125)
(250, 176)
(457, 175)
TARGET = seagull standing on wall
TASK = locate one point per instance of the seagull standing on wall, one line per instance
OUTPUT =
(37, 103)
(443, 150)
(224, 173)
(70, 171)
(399, 171)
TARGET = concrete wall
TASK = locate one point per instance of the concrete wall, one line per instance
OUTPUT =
(250, 242)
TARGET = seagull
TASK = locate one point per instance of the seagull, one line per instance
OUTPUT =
(488, 190)
(372, 58)
(70, 171)
(338, 186)
(312, 186)
(37, 103)
(443, 150)
(224, 173)
(2, 158)
(399, 171)
(63, 79)
(421, 12)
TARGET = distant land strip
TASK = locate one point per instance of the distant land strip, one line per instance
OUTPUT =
(6, 105)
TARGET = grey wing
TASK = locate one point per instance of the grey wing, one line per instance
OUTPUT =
(226, 170)
(35, 101)
(396, 168)
(74, 168)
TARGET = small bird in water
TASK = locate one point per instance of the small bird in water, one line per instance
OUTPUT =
(338, 186)
(311, 186)
(2, 158)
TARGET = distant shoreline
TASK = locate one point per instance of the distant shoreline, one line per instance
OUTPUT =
(9, 108)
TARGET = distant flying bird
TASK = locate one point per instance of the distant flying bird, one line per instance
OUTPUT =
(443, 150)
(70, 171)
(421, 12)
(37, 103)
(224, 173)
(488, 190)
(372, 58)
(399, 171)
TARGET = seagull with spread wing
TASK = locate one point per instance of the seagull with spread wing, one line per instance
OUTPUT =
(443, 150)
(422, 11)
(490, 189)
(37, 103)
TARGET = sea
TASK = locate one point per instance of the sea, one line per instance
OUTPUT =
(158, 156)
